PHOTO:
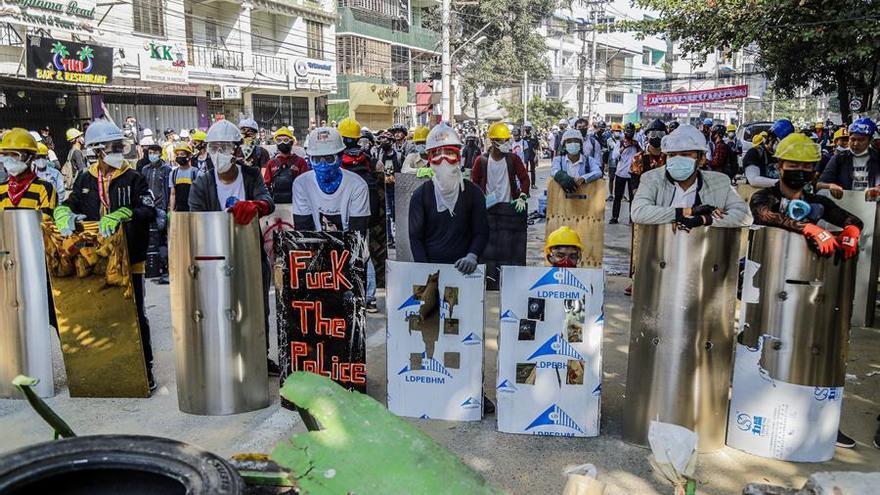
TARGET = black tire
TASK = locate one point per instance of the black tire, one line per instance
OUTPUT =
(105, 464)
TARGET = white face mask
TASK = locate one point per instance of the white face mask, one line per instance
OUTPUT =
(222, 162)
(41, 163)
(504, 147)
(114, 159)
(13, 166)
(448, 177)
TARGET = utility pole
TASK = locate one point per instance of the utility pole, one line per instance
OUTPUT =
(446, 63)
(594, 10)
(525, 96)
(582, 68)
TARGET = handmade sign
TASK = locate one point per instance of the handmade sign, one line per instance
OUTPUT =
(320, 307)
(435, 341)
(550, 351)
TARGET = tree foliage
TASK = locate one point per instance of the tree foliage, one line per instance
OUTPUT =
(512, 47)
(542, 113)
(826, 46)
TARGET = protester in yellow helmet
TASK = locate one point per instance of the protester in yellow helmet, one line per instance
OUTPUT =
(23, 189)
(284, 167)
(563, 248)
(182, 176)
(417, 161)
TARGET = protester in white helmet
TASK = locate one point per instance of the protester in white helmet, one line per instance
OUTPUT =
(232, 186)
(253, 154)
(112, 193)
(448, 222)
(328, 197)
(682, 194)
(572, 168)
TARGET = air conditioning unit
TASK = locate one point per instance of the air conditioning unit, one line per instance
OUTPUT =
(215, 94)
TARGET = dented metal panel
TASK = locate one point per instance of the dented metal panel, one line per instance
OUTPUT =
(217, 314)
(25, 346)
(804, 308)
(681, 335)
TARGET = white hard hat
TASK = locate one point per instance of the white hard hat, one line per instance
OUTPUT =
(184, 133)
(442, 135)
(102, 131)
(572, 134)
(147, 141)
(223, 131)
(147, 132)
(685, 138)
(563, 122)
(36, 136)
(527, 124)
(324, 141)
(249, 123)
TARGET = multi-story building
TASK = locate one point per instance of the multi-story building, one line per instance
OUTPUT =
(383, 50)
(169, 63)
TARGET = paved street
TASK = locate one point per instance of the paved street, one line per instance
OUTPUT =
(518, 463)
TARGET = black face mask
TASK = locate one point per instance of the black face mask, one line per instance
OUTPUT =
(182, 160)
(285, 147)
(797, 179)
(654, 142)
(583, 132)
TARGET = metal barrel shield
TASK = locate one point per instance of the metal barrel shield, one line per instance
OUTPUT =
(803, 302)
(869, 257)
(217, 314)
(25, 344)
(682, 332)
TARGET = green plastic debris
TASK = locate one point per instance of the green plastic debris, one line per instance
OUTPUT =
(425, 173)
(364, 449)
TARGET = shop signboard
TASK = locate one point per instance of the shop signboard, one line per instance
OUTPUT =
(164, 62)
(697, 97)
(70, 15)
(49, 59)
(313, 74)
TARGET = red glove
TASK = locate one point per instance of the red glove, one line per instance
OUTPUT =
(849, 241)
(243, 212)
(820, 240)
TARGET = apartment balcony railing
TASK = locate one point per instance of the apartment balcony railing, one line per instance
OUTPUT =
(265, 64)
(215, 57)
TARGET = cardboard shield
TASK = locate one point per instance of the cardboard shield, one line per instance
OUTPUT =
(25, 345)
(217, 314)
(97, 317)
(584, 212)
(404, 186)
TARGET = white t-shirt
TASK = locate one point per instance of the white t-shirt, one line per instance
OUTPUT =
(226, 191)
(860, 172)
(331, 211)
(497, 182)
(682, 198)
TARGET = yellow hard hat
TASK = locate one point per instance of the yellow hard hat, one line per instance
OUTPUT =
(181, 146)
(563, 236)
(840, 133)
(18, 139)
(349, 128)
(72, 134)
(199, 136)
(284, 131)
(42, 149)
(797, 147)
(420, 135)
(499, 130)
(759, 138)
(731, 127)
(616, 126)
(820, 125)
(638, 125)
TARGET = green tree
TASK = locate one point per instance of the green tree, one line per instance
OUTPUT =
(512, 46)
(826, 46)
(542, 113)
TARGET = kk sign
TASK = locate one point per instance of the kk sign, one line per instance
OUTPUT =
(49, 59)
(164, 63)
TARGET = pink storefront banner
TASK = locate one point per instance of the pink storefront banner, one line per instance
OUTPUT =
(692, 97)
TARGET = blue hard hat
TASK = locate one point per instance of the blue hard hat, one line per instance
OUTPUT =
(782, 128)
(863, 126)
(708, 121)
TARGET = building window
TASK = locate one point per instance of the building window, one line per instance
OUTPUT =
(646, 56)
(149, 17)
(400, 59)
(315, 39)
(613, 97)
(356, 56)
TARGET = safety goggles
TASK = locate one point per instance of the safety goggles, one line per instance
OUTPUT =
(860, 128)
(220, 147)
(18, 155)
(557, 256)
(445, 154)
(656, 134)
(112, 147)
(283, 140)
(323, 160)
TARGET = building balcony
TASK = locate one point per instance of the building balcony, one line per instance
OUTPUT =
(265, 64)
(215, 57)
(352, 22)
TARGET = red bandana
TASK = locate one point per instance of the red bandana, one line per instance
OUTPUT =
(18, 185)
